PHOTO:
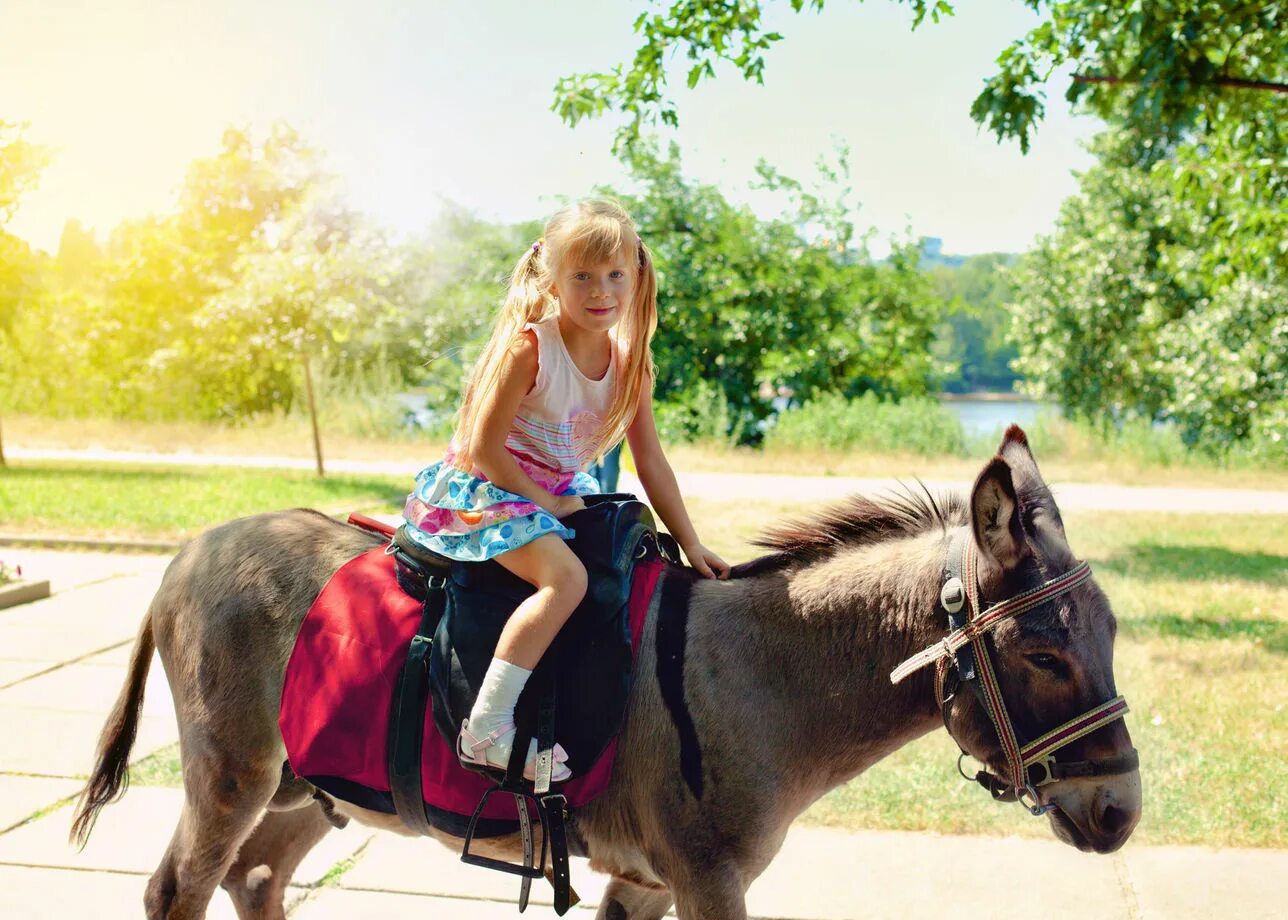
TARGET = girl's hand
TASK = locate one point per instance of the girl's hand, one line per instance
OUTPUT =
(566, 505)
(708, 564)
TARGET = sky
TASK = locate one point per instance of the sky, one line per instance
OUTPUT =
(415, 104)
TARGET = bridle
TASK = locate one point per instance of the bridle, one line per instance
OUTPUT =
(964, 653)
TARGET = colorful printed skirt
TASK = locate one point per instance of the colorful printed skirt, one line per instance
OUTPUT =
(465, 517)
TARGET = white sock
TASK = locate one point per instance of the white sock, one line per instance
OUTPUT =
(497, 697)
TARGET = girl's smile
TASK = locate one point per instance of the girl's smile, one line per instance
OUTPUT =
(591, 294)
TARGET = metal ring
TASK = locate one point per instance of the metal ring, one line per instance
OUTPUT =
(1037, 809)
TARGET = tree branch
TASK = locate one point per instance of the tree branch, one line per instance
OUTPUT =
(1215, 81)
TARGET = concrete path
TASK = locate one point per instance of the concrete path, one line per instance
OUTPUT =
(62, 661)
(1070, 496)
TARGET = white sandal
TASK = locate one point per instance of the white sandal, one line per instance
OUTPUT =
(473, 752)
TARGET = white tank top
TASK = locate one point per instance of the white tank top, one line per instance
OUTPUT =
(557, 420)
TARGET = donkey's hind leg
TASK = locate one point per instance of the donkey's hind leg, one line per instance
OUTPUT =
(626, 900)
(266, 861)
(222, 800)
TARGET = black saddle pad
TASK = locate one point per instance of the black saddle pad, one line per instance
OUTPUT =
(589, 661)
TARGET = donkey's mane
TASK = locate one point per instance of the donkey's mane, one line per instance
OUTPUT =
(857, 521)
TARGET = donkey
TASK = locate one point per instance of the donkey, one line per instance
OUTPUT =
(786, 681)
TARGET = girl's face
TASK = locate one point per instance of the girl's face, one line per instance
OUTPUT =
(594, 295)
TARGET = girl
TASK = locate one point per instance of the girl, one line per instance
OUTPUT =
(567, 371)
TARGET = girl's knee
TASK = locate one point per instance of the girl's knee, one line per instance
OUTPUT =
(569, 580)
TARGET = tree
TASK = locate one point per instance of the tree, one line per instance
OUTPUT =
(1137, 306)
(20, 166)
(1161, 65)
(749, 306)
(974, 334)
(1161, 294)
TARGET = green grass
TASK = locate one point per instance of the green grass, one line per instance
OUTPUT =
(77, 499)
(160, 768)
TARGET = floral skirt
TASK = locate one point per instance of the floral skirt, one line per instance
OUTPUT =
(465, 517)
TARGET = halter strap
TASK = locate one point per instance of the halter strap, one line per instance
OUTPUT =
(978, 626)
(966, 636)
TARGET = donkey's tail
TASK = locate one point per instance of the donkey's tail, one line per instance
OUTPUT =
(110, 778)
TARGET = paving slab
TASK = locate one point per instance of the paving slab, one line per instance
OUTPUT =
(119, 655)
(13, 670)
(23, 796)
(1189, 883)
(826, 874)
(66, 571)
(421, 866)
(51, 743)
(344, 904)
(87, 688)
(821, 874)
(31, 893)
(131, 836)
(79, 622)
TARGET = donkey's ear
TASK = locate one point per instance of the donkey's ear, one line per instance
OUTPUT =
(995, 515)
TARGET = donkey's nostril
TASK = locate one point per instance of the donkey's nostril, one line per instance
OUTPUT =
(1114, 820)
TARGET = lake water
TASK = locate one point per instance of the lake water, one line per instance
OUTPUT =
(991, 416)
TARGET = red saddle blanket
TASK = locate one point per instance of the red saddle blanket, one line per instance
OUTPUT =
(338, 688)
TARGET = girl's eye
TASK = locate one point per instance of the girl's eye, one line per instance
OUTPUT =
(581, 276)
(618, 275)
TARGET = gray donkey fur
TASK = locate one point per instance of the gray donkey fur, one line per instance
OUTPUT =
(786, 679)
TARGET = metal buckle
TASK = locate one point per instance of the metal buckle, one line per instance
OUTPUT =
(953, 595)
(1046, 764)
(435, 582)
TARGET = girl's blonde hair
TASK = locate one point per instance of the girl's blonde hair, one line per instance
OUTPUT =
(589, 231)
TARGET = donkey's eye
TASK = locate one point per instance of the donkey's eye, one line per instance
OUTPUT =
(1049, 663)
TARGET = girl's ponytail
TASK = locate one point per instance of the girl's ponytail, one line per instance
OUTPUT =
(525, 302)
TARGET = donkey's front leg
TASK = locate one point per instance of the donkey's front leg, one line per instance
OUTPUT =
(711, 893)
(627, 900)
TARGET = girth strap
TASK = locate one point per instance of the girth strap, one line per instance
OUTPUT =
(407, 716)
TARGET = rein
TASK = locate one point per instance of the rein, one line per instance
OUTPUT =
(964, 651)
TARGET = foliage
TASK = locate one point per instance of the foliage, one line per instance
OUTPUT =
(21, 162)
(829, 421)
(973, 337)
(707, 33)
(1140, 306)
(756, 306)
(1159, 65)
(698, 413)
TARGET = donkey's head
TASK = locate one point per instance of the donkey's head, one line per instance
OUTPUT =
(1053, 662)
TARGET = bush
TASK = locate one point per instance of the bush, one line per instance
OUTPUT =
(700, 413)
(831, 422)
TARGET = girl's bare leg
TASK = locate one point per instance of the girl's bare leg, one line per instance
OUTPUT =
(560, 581)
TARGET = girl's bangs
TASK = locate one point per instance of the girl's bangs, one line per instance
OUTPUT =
(595, 240)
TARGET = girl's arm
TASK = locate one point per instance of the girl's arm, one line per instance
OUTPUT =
(659, 482)
(492, 426)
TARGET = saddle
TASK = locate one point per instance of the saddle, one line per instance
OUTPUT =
(577, 693)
